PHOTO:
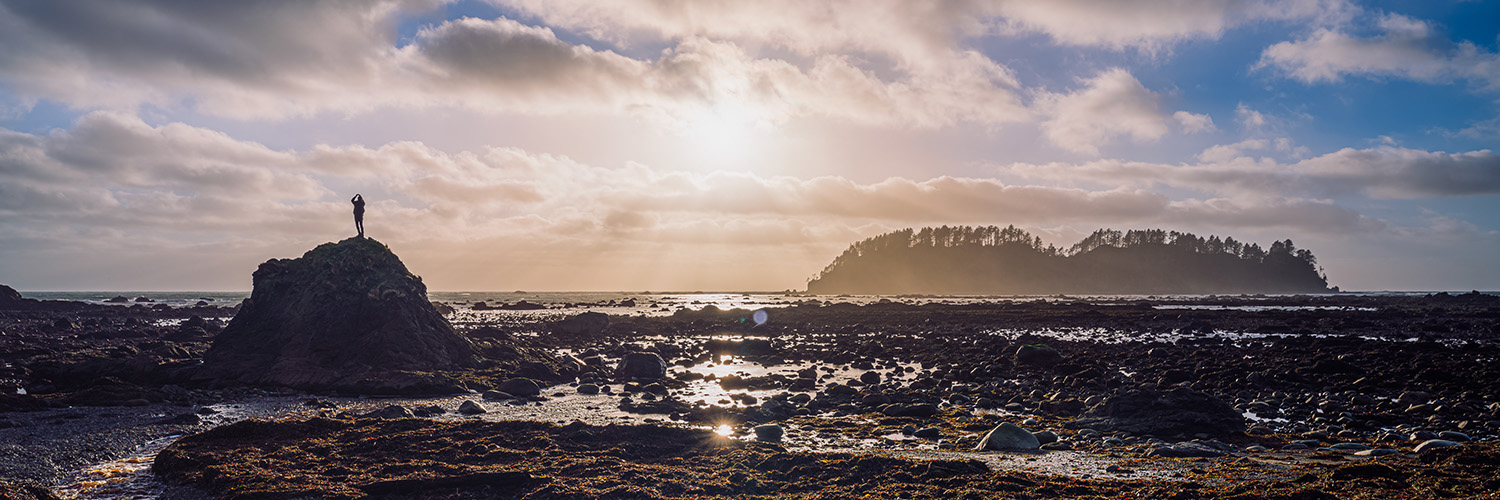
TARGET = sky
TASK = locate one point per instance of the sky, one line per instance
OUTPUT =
(560, 145)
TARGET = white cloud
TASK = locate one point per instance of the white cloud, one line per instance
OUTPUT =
(1193, 123)
(1248, 117)
(1111, 104)
(1382, 172)
(1406, 48)
(1155, 24)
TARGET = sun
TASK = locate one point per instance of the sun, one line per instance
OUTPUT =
(724, 136)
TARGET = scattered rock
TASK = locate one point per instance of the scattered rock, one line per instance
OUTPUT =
(589, 389)
(493, 395)
(1179, 411)
(870, 377)
(471, 408)
(1431, 444)
(642, 365)
(523, 387)
(391, 412)
(769, 432)
(1038, 355)
(585, 323)
(1008, 436)
(1183, 450)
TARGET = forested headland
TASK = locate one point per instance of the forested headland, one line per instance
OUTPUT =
(966, 260)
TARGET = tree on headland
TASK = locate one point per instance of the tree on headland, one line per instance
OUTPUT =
(995, 260)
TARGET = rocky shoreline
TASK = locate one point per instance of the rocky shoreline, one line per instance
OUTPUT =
(1260, 397)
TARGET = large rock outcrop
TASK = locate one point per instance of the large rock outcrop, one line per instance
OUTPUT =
(346, 316)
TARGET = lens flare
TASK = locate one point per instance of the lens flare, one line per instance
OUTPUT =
(724, 430)
(760, 316)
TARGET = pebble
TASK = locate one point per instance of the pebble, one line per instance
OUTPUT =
(1434, 443)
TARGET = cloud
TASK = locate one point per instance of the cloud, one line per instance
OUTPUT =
(1382, 172)
(1406, 48)
(913, 31)
(1111, 104)
(273, 60)
(1154, 25)
(1193, 123)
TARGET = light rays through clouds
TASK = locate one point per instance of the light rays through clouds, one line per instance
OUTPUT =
(761, 124)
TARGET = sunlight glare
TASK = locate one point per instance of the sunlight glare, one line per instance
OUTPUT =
(722, 136)
(724, 430)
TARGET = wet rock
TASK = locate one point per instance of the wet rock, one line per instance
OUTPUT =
(769, 432)
(1179, 411)
(1045, 437)
(589, 389)
(870, 377)
(1008, 436)
(391, 412)
(341, 317)
(1038, 355)
(183, 419)
(1414, 398)
(522, 387)
(641, 365)
(471, 408)
(910, 410)
(928, 433)
(1376, 452)
(497, 396)
(1453, 436)
(1184, 450)
(586, 323)
(1435, 443)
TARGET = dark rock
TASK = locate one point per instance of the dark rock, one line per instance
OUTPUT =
(910, 410)
(1045, 437)
(183, 419)
(523, 387)
(1179, 411)
(870, 377)
(1038, 355)
(118, 299)
(1184, 449)
(642, 365)
(928, 433)
(497, 396)
(769, 432)
(340, 317)
(589, 389)
(586, 323)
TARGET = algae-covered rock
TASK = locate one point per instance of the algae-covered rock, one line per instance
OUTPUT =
(345, 316)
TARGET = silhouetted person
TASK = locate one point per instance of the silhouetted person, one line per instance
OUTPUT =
(359, 214)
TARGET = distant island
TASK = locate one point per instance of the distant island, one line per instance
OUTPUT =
(991, 260)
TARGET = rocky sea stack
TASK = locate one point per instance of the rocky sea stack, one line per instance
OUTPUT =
(344, 317)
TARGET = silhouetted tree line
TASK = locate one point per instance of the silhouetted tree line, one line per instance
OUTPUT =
(995, 260)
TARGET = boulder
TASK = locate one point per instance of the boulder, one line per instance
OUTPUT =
(342, 316)
(585, 323)
(1434, 444)
(1179, 411)
(1008, 436)
(471, 408)
(9, 297)
(769, 432)
(644, 365)
(523, 387)
(1038, 355)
